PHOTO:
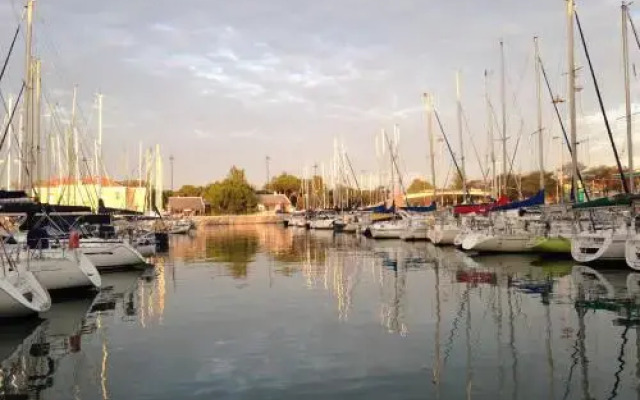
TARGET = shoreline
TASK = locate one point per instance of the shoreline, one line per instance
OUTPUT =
(225, 220)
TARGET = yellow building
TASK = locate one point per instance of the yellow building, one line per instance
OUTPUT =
(87, 192)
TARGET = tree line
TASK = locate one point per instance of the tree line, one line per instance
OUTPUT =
(234, 194)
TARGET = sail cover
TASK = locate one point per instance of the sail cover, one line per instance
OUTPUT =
(532, 201)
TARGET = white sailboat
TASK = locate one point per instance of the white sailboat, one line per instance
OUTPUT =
(111, 253)
(445, 230)
(59, 269)
(21, 294)
(417, 228)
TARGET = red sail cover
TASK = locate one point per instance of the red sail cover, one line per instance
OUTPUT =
(482, 208)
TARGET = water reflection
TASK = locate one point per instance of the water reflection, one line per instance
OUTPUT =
(32, 351)
(335, 315)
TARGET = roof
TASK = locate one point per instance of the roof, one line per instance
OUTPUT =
(273, 199)
(186, 203)
(85, 180)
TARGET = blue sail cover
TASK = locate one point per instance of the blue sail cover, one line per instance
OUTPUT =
(421, 209)
(381, 209)
(535, 200)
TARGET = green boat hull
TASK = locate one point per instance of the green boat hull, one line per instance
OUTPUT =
(552, 245)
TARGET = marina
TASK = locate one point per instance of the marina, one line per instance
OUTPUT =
(307, 313)
(455, 212)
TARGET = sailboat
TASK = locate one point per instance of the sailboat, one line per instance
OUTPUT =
(606, 233)
(509, 231)
(21, 294)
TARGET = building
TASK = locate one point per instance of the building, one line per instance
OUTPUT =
(186, 205)
(86, 192)
(274, 203)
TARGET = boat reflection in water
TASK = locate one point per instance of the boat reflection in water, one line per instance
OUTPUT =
(31, 353)
(264, 312)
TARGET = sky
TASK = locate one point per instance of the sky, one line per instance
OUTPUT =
(222, 83)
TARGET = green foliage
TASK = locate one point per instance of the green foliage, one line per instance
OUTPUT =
(233, 195)
(190, 191)
(419, 185)
(285, 184)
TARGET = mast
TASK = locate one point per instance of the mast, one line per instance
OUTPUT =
(140, 163)
(572, 98)
(462, 167)
(494, 189)
(429, 103)
(9, 144)
(36, 135)
(627, 92)
(539, 106)
(504, 119)
(98, 155)
(158, 181)
(20, 147)
(26, 147)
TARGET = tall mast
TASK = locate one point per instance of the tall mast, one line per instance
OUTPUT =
(140, 164)
(494, 189)
(462, 167)
(27, 146)
(36, 113)
(503, 96)
(158, 181)
(73, 148)
(10, 140)
(539, 106)
(627, 92)
(20, 147)
(428, 99)
(98, 155)
(572, 98)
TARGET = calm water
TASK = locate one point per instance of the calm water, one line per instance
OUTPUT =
(268, 313)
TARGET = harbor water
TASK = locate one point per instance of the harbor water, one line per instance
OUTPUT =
(263, 312)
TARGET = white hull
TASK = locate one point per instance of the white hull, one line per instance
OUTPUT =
(415, 233)
(321, 224)
(632, 252)
(57, 271)
(443, 236)
(599, 246)
(148, 250)
(498, 243)
(21, 295)
(106, 254)
(457, 241)
(386, 230)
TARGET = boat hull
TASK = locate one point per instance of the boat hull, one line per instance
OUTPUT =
(108, 255)
(499, 243)
(599, 246)
(70, 270)
(415, 233)
(443, 236)
(632, 252)
(551, 245)
(22, 296)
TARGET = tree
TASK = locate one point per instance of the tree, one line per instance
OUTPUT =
(190, 191)
(285, 184)
(233, 195)
(419, 185)
(457, 182)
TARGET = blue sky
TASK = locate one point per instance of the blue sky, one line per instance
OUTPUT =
(218, 83)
